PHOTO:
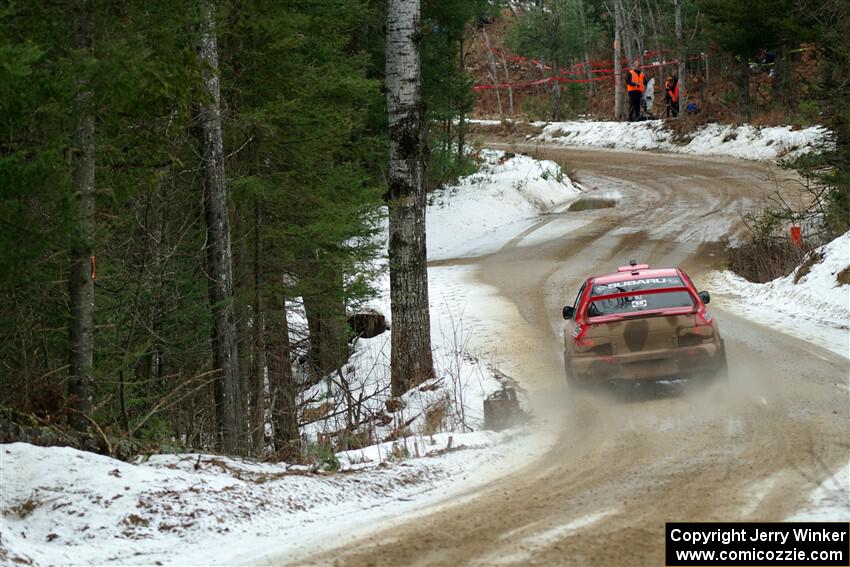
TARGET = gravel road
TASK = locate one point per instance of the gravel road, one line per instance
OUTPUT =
(630, 459)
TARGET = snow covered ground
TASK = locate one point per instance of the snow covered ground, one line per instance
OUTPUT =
(62, 506)
(472, 218)
(829, 502)
(816, 308)
(744, 141)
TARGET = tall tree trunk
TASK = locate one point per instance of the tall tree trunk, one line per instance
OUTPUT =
(682, 56)
(494, 72)
(287, 442)
(626, 33)
(219, 254)
(258, 374)
(556, 100)
(510, 90)
(781, 92)
(411, 360)
(326, 321)
(618, 71)
(461, 122)
(588, 74)
(81, 275)
(656, 33)
(744, 87)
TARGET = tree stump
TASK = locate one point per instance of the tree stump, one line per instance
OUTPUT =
(367, 323)
(501, 410)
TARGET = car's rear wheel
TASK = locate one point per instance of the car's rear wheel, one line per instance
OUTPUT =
(722, 374)
(572, 379)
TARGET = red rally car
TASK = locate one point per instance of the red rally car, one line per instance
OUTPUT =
(641, 323)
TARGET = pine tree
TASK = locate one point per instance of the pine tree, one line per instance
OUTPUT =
(219, 254)
(301, 164)
(82, 272)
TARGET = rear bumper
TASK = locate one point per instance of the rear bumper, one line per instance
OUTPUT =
(680, 362)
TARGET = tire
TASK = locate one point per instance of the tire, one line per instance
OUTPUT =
(572, 381)
(722, 375)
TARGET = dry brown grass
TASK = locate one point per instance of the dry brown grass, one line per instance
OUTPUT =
(434, 417)
(811, 259)
(843, 277)
(509, 130)
(763, 260)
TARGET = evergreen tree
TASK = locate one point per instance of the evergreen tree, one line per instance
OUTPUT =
(298, 129)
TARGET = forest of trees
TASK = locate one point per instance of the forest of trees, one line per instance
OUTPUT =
(175, 177)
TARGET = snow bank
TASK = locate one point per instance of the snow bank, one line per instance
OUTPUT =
(61, 506)
(816, 308)
(745, 141)
(506, 189)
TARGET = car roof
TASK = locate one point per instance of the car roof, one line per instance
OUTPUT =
(635, 275)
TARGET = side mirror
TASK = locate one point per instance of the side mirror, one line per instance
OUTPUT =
(704, 295)
(568, 312)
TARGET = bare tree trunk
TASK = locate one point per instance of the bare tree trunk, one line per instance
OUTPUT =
(618, 71)
(219, 254)
(682, 56)
(510, 90)
(461, 123)
(494, 73)
(81, 275)
(258, 382)
(287, 441)
(780, 92)
(626, 33)
(326, 321)
(591, 85)
(556, 100)
(656, 33)
(744, 88)
(411, 360)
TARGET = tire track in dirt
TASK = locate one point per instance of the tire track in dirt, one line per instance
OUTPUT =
(629, 459)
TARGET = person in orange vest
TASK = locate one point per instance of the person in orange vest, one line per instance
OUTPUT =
(635, 85)
(671, 96)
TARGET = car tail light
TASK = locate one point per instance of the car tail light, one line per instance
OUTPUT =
(585, 344)
(701, 332)
(579, 332)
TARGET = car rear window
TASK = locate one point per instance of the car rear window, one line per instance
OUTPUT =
(637, 303)
(642, 284)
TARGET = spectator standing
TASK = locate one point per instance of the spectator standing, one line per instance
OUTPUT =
(635, 85)
(671, 96)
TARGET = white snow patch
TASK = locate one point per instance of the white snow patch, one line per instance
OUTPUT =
(829, 502)
(816, 308)
(559, 532)
(757, 493)
(744, 141)
(505, 190)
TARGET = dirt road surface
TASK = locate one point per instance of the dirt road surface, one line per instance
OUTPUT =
(630, 459)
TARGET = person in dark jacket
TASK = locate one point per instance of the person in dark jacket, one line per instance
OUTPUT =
(635, 85)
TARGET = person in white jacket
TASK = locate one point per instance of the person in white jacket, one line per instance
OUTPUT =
(649, 96)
